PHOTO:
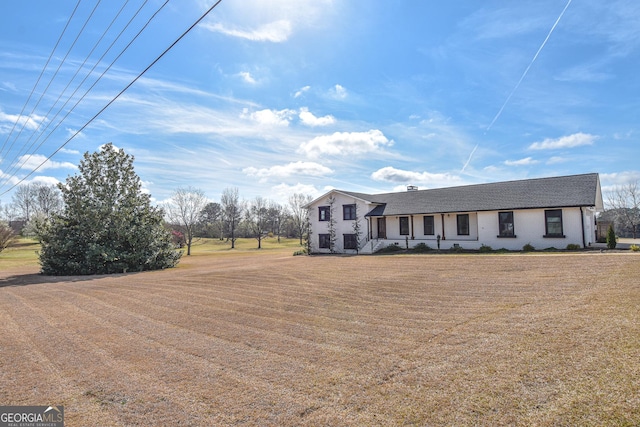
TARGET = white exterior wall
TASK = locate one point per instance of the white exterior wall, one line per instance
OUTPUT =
(529, 227)
(450, 233)
(341, 226)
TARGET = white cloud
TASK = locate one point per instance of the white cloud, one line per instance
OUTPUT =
(33, 161)
(28, 122)
(570, 141)
(557, 159)
(346, 143)
(247, 77)
(301, 91)
(275, 32)
(10, 179)
(338, 92)
(294, 168)
(269, 117)
(522, 162)
(619, 178)
(310, 119)
(391, 174)
(46, 180)
(281, 192)
(69, 151)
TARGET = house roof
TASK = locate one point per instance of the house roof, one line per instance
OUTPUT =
(556, 192)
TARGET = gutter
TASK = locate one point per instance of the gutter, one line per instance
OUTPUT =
(584, 243)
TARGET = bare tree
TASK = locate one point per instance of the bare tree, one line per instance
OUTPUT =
(24, 200)
(625, 202)
(299, 213)
(7, 236)
(184, 209)
(277, 216)
(257, 217)
(48, 199)
(232, 211)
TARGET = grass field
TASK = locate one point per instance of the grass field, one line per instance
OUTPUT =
(251, 337)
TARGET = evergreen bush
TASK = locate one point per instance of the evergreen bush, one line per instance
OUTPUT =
(108, 224)
(611, 237)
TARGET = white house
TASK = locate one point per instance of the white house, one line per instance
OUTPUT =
(544, 212)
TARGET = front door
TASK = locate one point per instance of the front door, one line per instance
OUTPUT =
(382, 228)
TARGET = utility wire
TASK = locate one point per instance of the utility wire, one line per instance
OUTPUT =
(50, 122)
(118, 95)
(15, 168)
(55, 74)
(39, 77)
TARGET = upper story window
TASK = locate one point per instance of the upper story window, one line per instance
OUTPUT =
(404, 225)
(553, 223)
(324, 213)
(463, 224)
(505, 224)
(349, 212)
(429, 227)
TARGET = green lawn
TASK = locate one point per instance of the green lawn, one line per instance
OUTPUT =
(23, 252)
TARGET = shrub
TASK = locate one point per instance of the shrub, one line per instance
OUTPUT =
(528, 248)
(300, 252)
(485, 248)
(108, 224)
(573, 247)
(178, 238)
(611, 237)
(635, 248)
(456, 248)
(389, 249)
(422, 247)
(7, 236)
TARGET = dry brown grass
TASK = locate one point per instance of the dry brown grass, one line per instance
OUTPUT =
(271, 339)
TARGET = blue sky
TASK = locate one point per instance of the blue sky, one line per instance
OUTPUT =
(302, 96)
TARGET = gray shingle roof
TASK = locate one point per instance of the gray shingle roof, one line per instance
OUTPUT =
(557, 192)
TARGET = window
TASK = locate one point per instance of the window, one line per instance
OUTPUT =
(463, 224)
(553, 223)
(505, 224)
(404, 225)
(324, 213)
(429, 228)
(324, 241)
(349, 212)
(350, 241)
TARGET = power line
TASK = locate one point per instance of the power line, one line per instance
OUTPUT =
(56, 73)
(204, 15)
(39, 77)
(17, 156)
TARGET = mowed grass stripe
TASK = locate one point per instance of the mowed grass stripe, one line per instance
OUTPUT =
(523, 340)
(94, 375)
(142, 356)
(304, 322)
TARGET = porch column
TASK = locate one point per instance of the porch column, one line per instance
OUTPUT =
(412, 233)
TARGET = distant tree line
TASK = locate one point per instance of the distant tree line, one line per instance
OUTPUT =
(623, 203)
(193, 216)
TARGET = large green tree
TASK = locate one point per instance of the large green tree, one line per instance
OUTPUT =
(108, 224)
